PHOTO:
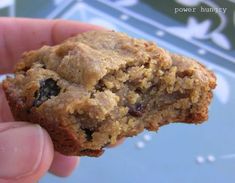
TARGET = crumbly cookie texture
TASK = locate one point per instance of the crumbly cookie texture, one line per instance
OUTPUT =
(100, 86)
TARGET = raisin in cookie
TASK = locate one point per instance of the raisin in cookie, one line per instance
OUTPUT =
(100, 86)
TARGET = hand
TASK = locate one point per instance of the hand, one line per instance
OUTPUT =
(26, 150)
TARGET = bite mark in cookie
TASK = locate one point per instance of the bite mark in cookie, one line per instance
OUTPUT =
(100, 86)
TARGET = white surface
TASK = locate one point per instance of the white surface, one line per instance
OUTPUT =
(147, 137)
(140, 145)
(160, 33)
(6, 3)
(211, 158)
(11, 6)
(200, 159)
(201, 52)
(3, 76)
(124, 17)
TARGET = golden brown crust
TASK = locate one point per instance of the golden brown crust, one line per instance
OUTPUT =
(100, 86)
(62, 136)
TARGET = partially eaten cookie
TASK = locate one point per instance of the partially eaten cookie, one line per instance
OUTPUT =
(101, 86)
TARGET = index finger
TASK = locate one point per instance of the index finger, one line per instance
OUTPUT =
(18, 35)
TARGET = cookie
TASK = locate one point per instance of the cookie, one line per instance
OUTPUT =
(100, 86)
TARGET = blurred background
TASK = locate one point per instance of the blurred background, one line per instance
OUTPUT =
(177, 153)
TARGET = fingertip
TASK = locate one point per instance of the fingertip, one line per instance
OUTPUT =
(63, 165)
(24, 34)
(26, 146)
(63, 29)
(47, 154)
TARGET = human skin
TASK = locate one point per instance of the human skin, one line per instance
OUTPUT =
(22, 142)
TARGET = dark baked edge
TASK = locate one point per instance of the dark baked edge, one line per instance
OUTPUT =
(63, 138)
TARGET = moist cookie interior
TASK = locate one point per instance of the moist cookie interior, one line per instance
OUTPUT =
(149, 88)
(146, 94)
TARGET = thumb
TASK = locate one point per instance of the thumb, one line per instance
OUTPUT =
(26, 152)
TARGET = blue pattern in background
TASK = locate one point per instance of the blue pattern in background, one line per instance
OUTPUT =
(177, 153)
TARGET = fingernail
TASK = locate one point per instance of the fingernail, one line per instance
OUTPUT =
(21, 149)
